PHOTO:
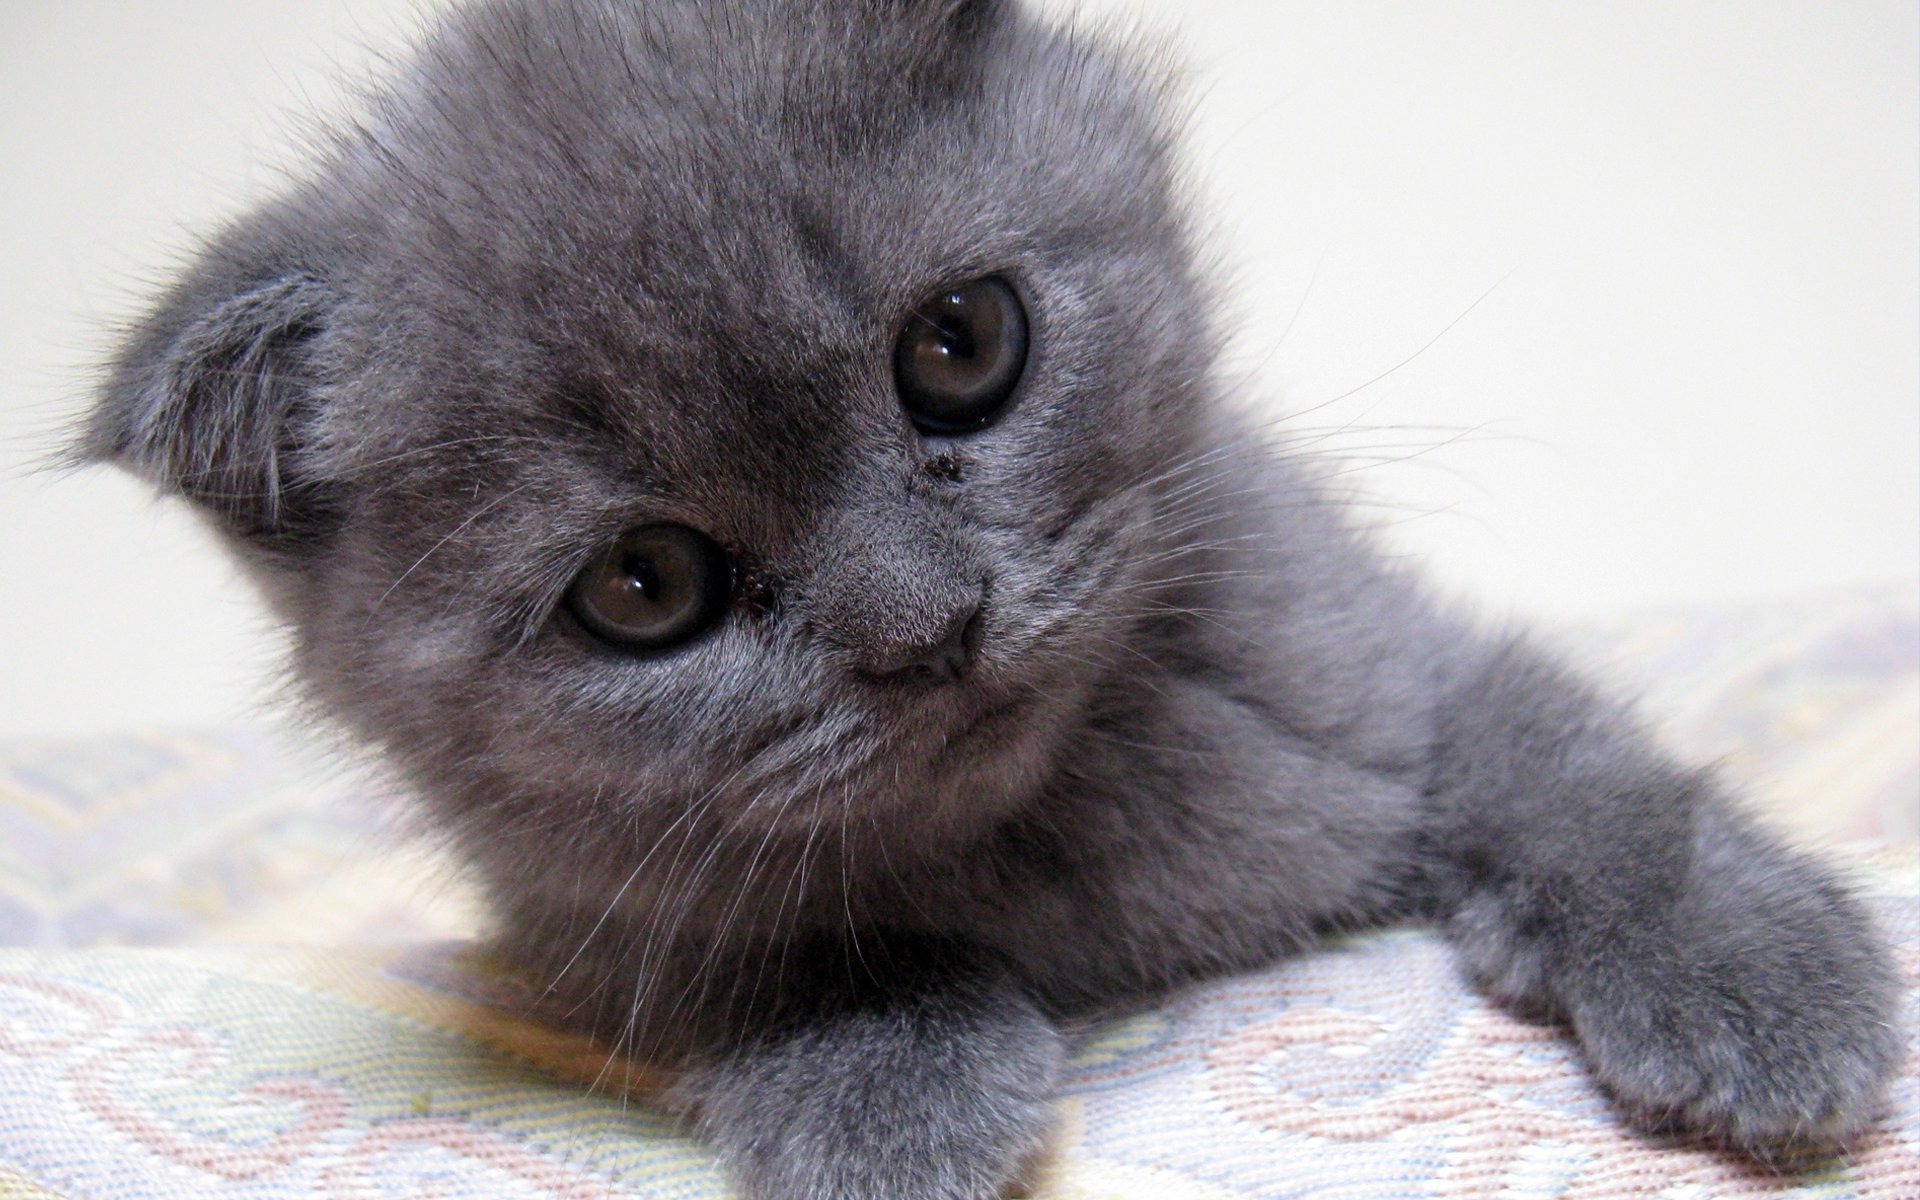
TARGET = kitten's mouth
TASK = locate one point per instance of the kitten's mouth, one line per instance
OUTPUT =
(991, 721)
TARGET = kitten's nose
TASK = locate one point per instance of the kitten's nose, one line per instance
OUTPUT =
(941, 659)
(896, 592)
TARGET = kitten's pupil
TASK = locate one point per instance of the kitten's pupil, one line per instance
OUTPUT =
(955, 341)
(653, 587)
(640, 572)
(960, 356)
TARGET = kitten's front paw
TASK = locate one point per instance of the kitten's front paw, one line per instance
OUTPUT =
(908, 1103)
(1769, 1037)
(883, 1143)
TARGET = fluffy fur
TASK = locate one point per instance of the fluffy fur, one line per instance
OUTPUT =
(590, 264)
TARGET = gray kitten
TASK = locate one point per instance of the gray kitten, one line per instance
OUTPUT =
(756, 466)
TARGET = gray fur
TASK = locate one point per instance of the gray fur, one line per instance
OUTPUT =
(588, 264)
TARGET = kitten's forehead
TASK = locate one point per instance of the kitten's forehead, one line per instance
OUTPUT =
(699, 225)
(752, 158)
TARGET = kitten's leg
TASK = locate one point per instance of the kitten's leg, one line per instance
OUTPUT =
(911, 1073)
(1714, 978)
(1194, 836)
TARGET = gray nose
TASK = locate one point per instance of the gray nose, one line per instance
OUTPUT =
(895, 591)
(939, 659)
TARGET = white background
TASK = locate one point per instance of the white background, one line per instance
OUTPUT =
(1695, 379)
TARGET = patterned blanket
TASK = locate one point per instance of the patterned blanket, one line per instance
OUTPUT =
(225, 980)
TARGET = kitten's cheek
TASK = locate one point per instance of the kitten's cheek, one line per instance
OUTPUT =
(429, 653)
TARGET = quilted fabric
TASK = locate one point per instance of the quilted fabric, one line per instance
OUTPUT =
(209, 836)
(1366, 1070)
(143, 1053)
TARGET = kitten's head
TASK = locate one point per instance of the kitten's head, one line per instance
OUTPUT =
(734, 407)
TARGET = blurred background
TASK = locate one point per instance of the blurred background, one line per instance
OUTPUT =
(1618, 304)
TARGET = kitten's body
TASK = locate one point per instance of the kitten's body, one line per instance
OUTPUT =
(592, 266)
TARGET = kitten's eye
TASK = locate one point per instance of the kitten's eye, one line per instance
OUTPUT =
(653, 588)
(960, 356)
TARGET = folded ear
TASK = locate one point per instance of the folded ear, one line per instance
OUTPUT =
(960, 19)
(963, 15)
(932, 46)
(216, 397)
